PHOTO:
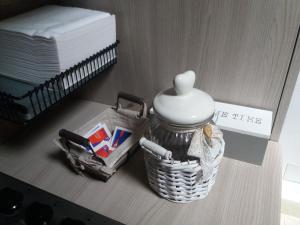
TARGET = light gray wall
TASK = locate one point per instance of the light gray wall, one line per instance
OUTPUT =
(287, 93)
(290, 134)
(240, 49)
(10, 8)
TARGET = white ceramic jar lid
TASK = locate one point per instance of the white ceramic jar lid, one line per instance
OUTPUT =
(183, 104)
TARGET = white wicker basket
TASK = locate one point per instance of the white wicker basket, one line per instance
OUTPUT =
(174, 180)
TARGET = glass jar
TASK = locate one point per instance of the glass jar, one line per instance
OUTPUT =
(177, 112)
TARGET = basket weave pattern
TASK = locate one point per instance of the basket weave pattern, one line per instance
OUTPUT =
(179, 181)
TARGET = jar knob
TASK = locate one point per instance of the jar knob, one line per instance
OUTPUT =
(184, 82)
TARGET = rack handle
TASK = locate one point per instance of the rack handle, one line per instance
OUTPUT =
(131, 98)
(70, 136)
(74, 137)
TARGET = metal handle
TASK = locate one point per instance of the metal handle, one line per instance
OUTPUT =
(74, 138)
(131, 98)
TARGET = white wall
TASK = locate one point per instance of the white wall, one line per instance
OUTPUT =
(290, 134)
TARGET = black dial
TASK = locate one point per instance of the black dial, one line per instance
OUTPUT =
(69, 221)
(11, 201)
(38, 214)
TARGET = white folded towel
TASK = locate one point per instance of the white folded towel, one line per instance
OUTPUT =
(51, 21)
(40, 44)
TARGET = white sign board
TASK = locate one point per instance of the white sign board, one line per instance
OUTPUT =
(241, 119)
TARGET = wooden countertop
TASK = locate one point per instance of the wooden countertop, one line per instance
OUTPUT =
(244, 194)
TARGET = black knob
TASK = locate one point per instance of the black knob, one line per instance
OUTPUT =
(38, 214)
(11, 201)
(69, 221)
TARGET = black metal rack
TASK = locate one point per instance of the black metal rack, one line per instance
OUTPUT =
(36, 99)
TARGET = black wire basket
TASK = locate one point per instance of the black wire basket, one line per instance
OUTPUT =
(22, 102)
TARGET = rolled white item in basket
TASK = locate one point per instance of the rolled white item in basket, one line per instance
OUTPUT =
(155, 148)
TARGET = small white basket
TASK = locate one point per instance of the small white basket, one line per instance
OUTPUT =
(174, 180)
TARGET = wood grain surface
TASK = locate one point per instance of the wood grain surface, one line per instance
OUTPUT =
(243, 194)
(10, 8)
(287, 93)
(240, 49)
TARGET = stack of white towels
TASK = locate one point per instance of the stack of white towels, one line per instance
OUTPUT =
(37, 45)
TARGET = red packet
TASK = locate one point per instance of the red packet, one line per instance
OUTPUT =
(120, 135)
(104, 151)
(98, 135)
